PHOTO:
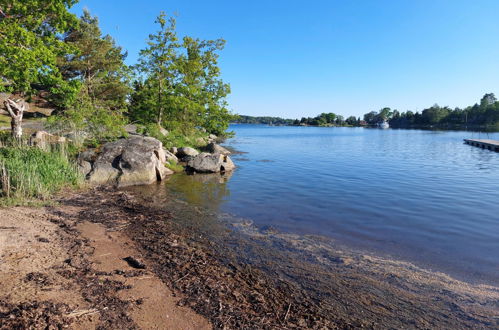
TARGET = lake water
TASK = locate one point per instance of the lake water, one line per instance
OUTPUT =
(415, 195)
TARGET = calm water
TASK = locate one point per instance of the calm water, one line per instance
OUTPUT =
(420, 196)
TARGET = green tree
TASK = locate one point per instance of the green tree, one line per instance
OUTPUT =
(202, 85)
(29, 47)
(352, 121)
(157, 63)
(99, 64)
(99, 67)
(181, 82)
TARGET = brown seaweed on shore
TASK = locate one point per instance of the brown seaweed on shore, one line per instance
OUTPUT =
(281, 287)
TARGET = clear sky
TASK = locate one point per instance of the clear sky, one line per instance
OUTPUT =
(300, 58)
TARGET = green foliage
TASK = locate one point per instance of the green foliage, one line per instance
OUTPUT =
(98, 112)
(98, 65)
(485, 114)
(88, 122)
(176, 137)
(172, 165)
(262, 120)
(324, 119)
(28, 173)
(181, 87)
(29, 45)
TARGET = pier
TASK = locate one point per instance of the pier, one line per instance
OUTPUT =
(484, 144)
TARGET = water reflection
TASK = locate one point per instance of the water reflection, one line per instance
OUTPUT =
(205, 190)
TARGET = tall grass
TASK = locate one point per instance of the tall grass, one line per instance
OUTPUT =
(28, 174)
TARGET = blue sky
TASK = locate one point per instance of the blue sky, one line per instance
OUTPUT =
(301, 58)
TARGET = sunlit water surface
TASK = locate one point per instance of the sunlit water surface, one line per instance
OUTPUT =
(420, 196)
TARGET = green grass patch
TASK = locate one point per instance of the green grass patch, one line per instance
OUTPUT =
(4, 120)
(172, 165)
(29, 175)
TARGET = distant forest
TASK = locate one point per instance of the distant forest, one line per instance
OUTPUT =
(482, 114)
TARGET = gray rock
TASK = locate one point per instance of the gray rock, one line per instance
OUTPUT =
(170, 156)
(174, 150)
(186, 151)
(133, 161)
(45, 140)
(210, 163)
(212, 137)
(85, 160)
(131, 129)
(217, 149)
(228, 165)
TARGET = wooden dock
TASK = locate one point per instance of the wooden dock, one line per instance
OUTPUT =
(484, 144)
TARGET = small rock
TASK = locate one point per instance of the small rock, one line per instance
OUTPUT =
(186, 151)
(44, 140)
(163, 131)
(170, 156)
(217, 149)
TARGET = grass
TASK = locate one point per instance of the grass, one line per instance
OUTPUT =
(4, 120)
(172, 165)
(29, 175)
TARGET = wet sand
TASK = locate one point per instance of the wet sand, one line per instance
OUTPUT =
(229, 273)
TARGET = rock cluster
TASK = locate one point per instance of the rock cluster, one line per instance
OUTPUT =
(141, 160)
(136, 160)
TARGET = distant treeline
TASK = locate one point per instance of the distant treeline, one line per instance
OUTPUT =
(263, 120)
(483, 114)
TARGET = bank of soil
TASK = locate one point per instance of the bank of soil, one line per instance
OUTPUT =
(64, 265)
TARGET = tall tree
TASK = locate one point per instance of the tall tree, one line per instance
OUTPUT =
(29, 48)
(182, 82)
(99, 67)
(99, 64)
(201, 92)
(157, 62)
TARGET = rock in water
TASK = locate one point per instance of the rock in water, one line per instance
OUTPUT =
(217, 149)
(210, 163)
(136, 160)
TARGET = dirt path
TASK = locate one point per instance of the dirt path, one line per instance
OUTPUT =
(56, 272)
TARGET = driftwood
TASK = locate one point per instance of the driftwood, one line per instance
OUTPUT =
(16, 112)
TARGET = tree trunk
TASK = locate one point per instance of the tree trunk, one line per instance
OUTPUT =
(160, 104)
(16, 111)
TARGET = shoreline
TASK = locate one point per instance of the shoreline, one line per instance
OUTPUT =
(231, 277)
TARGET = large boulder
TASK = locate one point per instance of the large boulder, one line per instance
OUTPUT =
(186, 151)
(136, 160)
(45, 140)
(217, 149)
(210, 163)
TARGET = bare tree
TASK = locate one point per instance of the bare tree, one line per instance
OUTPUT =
(16, 111)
